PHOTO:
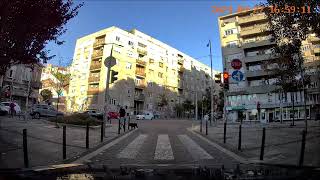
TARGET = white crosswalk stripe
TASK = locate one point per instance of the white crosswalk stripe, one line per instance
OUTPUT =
(194, 149)
(131, 151)
(163, 149)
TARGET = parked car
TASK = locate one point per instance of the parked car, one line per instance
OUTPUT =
(3, 110)
(94, 113)
(145, 115)
(7, 107)
(41, 110)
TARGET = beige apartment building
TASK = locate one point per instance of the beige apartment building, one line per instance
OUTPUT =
(245, 36)
(152, 75)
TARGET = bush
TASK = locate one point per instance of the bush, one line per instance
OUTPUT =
(77, 119)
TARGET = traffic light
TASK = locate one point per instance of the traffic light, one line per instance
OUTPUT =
(114, 76)
(226, 80)
(217, 78)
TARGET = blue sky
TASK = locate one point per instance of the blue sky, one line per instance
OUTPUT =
(186, 25)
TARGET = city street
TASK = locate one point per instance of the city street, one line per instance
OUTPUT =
(160, 143)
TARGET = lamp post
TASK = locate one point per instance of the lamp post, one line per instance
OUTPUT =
(211, 89)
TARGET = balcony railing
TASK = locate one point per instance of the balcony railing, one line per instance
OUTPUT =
(93, 79)
(95, 66)
(99, 42)
(140, 85)
(141, 73)
(180, 61)
(93, 91)
(142, 51)
(97, 54)
(141, 63)
(139, 97)
(314, 40)
(261, 57)
(181, 69)
(254, 18)
(257, 43)
(254, 30)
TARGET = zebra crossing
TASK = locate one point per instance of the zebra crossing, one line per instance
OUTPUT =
(163, 150)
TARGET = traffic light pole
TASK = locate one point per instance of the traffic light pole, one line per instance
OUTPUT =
(211, 89)
(106, 99)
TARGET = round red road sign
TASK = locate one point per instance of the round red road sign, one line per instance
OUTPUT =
(236, 64)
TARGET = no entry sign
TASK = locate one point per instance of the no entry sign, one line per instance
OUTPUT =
(236, 64)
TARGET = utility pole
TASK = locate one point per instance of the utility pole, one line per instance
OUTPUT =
(211, 89)
(28, 92)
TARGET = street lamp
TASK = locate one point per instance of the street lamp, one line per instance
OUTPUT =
(211, 89)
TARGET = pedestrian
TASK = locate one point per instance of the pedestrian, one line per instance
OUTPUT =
(122, 113)
(12, 111)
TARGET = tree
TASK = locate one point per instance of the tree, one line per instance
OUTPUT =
(27, 26)
(289, 30)
(46, 94)
(61, 84)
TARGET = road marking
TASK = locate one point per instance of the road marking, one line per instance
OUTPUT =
(194, 149)
(163, 149)
(222, 149)
(103, 148)
(131, 151)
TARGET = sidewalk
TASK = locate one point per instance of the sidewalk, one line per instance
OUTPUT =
(282, 143)
(45, 141)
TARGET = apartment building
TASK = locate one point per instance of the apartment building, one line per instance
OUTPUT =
(246, 37)
(21, 81)
(50, 82)
(152, 75)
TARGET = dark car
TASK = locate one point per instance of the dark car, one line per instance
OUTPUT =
(44, 110)
(94, 113)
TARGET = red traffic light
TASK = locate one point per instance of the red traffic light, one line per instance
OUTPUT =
(225, 75)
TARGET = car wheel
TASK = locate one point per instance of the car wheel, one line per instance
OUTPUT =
(36, 115)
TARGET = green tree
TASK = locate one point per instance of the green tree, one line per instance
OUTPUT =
(27, 26)
(289, 30)
(46, 94)
(61, 84)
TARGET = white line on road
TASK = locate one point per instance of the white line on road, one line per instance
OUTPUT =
(194, 149)
(131, 151)
(224, 150)
(163, 149)
(103, 148)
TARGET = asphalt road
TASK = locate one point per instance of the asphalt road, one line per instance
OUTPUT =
(162, 143)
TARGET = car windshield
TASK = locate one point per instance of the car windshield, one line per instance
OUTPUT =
(157, 84)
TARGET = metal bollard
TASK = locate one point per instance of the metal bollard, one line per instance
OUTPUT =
(206, 127)
(224, 132)
(262, 143)
(128, 123)
(124, 124)
(239, 142)
(64, 143)
(303, 144)
(201, 125)
(102, 126)
(119, 126)
(25, 149)
(87, 136)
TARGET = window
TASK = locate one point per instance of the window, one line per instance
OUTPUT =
(151, 71)
(150, 94)
(10, 73)
(305, 48)
(117, 38)
(128, 66)
(232, 44)
(160, 64)
(151, 61)
(150, 84)
(230, 31)
(160, 75)
(130, 43)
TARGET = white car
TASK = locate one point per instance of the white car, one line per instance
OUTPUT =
(146, 115)
(6, 106)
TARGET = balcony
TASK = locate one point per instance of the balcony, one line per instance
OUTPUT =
(98, 42)
(93, 79)
(36, 84)
(252, 19)
(140, 73)
(314, 40)
(93, 91)
(257, 43)
(258, 73)
(253, 30)
(258, 58)
(180, 61)
(139, 97)
(140, 63)
(97, 54)
(140, 85)
(95, 66)
(261, 89)
(142, 51)
(181, 69)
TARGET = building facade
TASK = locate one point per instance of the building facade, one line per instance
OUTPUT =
(21, 81)
(152, 76)
(245, 36)
(50, 82)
